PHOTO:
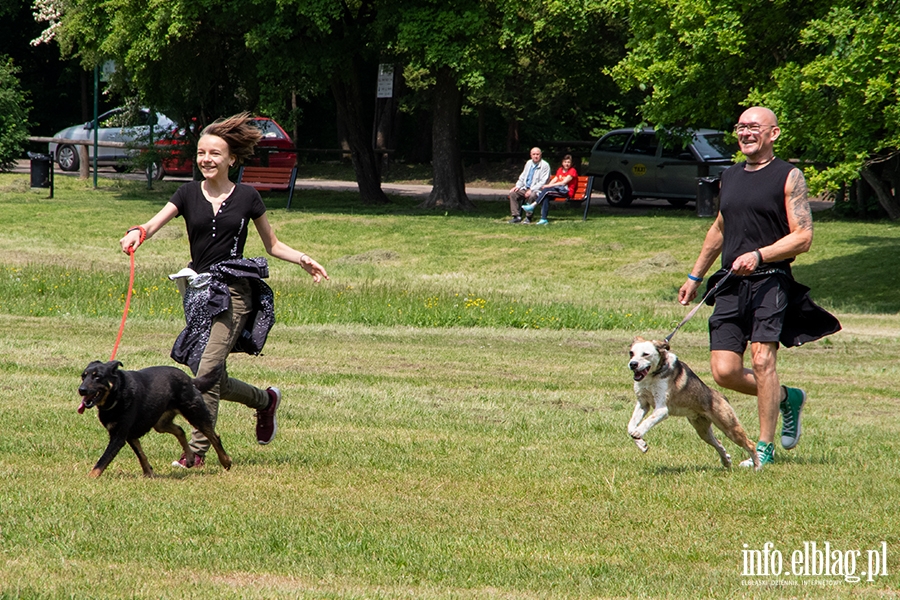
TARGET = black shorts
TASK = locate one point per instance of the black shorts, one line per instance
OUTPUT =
(748, 309)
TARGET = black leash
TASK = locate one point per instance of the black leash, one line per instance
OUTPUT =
(694, 310)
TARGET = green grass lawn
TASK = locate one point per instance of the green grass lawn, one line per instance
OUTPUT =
(454, 421)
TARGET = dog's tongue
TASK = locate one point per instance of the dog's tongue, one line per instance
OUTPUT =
(81, 408)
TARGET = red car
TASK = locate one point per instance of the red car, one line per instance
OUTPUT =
(275, 149)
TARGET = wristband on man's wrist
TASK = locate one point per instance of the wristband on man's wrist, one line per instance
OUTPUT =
(759, 259)
(693, 277)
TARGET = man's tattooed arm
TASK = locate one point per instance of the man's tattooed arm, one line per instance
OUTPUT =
(798, 201)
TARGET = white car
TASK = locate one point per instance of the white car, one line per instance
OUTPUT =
(116, 125)
(644, 163)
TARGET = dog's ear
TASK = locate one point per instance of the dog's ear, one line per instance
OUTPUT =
(114, 364)
(637, 339)
(662, 347)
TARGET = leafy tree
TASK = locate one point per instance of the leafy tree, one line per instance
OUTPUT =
(524, 58)
(446, 43)
(328, 45)
(842, 106)
(697, 61)
(186, 58)
(201, 59)
(829, 69)
(14, 107)
(51, 85)
(547, 75)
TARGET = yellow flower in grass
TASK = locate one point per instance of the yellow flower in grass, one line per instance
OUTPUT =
(479, 303)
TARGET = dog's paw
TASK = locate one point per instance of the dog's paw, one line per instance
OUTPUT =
(641, 444)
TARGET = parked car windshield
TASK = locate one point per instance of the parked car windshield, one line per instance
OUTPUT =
(713, 146)
(269, 129)
(123, 117)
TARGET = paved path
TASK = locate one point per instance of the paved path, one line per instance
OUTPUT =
(400, 189)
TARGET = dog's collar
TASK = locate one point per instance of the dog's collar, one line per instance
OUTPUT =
(663, 367)
(111, 406)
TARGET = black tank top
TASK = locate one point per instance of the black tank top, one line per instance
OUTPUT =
(752, 208)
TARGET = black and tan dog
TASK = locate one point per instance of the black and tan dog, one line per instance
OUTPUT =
(131, 403)
(665, 387)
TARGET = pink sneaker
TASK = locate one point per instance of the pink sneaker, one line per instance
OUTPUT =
(182, 462)
(266, 426)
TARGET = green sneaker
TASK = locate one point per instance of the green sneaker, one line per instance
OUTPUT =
(791, 407)
(766, 453)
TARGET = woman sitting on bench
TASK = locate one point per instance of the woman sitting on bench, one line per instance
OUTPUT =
(561, 185)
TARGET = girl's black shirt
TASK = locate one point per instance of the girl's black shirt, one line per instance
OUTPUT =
(219, 237)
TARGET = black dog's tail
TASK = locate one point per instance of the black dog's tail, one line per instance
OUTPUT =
(206, 383)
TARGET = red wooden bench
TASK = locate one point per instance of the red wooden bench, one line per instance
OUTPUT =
(582, 193)
(270, 178)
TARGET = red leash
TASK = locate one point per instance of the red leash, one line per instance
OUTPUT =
(143, 231)
(127, 305)
(130, 286)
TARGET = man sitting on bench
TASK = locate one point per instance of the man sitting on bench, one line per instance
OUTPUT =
(533, 176)
(562, 185)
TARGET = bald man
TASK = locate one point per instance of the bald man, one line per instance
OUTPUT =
(764, 222)
(534, 175)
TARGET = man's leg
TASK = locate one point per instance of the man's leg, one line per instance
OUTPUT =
(514, 205)
(729, 372)
(762, 381)
(768, 390)
(527, 209)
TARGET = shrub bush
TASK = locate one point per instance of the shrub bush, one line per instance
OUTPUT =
(14, 108)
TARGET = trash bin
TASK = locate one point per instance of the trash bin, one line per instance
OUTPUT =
(707, 196)
(40, 169)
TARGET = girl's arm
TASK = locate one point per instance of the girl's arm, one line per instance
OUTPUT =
(133, 239)
(281, 250)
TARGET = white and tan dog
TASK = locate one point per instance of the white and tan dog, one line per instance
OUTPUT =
(667, 387)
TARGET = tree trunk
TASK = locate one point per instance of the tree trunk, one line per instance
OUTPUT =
(512, 137)
(512, 134)
(385, 113)
(423, 144)
(855, 197)
(482, 135)
(449, 191)
(348, 100)
(885, 198)
(342, 137)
